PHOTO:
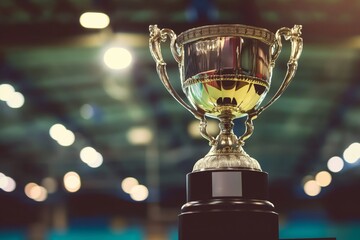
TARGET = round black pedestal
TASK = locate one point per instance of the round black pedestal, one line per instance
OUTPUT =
(228, 204)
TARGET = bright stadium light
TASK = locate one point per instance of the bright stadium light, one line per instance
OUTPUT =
(94, 20)
(117, 58)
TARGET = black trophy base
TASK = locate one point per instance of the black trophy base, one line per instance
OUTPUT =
(228, 204)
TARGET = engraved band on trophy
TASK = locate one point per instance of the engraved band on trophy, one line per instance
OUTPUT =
(225, 73)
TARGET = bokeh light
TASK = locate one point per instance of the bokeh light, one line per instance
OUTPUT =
(87, 153)
(128, 183)
(117, 58)
(16, 100)
(7, 183)
(11, 185)
(311, 188)
(36, 192)
(87, 111)
(56, 131)
(66, 139)
(72, 182)
(42, 196)
(194, 128)
(6, 91)
(323, 178)
(352, 153)
(3, 180)
(94, 20)
(50, 184)
(139, 193)
(12, 98)
(91, 157)
(96, 161)
(63, 136)
(29, 188)
(140, 135)
(335, 164)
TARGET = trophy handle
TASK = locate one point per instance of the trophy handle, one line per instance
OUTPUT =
(156, 37)
(293, 35)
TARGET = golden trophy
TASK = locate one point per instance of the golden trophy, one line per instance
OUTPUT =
(225, 72)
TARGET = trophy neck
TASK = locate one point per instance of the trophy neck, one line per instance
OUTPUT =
(226, 141)
(226, 124)
(227, 152)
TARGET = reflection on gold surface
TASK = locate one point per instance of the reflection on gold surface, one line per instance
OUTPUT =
(217, 94)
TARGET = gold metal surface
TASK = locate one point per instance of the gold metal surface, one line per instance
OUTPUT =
(223, 93)
(225, 71)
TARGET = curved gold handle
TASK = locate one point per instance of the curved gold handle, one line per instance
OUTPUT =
(156, 37)
(293, 35)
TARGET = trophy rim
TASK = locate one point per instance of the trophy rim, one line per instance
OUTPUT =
(222, 30)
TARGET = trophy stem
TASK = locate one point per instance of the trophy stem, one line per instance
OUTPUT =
(227, 141)
(226, 124)
(226, 151)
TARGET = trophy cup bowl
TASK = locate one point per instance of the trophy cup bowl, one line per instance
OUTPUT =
(223, 74)
(225, 71)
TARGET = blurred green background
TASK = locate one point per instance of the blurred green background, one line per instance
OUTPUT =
(92, 146)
